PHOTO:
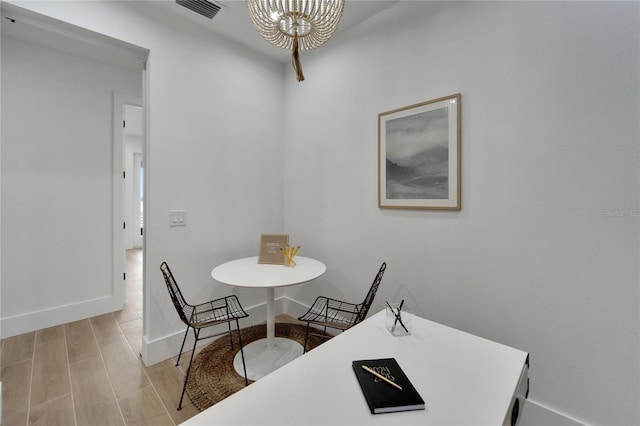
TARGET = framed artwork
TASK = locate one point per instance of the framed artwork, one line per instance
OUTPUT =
(270, 245)
(419, 156)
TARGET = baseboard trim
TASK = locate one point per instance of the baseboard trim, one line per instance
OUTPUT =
(536, 413)
(32, 321)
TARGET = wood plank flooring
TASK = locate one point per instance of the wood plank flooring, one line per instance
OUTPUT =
(89, 372)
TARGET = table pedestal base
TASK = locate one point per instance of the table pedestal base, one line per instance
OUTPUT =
(261, 361)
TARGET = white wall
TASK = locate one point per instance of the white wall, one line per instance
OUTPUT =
(214, 149)
(57, 263)
(543, 255)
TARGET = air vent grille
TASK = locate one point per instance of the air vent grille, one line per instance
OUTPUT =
(202, 7)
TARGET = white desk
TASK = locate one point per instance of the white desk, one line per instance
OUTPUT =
(464, 380)
(264, 357)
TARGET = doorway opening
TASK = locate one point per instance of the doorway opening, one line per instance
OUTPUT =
(129, 177)
(133, 205)
(137, 203)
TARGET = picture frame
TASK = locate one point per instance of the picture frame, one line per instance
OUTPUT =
(270, 245)
(419, 156)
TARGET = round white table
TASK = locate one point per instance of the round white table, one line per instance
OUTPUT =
(267, 356)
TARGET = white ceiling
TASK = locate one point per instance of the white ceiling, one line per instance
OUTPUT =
(232, 22)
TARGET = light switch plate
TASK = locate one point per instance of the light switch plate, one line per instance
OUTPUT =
(177, 218)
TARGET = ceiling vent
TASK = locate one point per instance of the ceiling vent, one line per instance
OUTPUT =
(202, 7)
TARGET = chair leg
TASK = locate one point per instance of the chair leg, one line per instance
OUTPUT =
(244, 366)
(306, 336)
(230, 335)
(182, 347)
(196, 333)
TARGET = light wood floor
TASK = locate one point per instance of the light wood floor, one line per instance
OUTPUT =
(89, 372)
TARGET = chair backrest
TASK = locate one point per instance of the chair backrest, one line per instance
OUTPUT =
(181, 305)
(371, 294)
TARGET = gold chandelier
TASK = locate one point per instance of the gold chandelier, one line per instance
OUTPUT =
(296, 24)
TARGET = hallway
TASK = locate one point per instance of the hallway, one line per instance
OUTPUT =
(89, 372)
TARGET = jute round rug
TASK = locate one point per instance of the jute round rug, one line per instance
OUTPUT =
(213, 377)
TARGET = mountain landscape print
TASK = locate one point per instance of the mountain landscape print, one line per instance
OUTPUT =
(417, 156)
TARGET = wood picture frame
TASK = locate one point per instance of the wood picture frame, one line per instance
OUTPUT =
(270, 245)
(419, 163)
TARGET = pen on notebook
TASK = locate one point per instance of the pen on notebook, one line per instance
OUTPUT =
(380, 376)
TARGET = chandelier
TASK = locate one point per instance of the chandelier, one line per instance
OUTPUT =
(296, 24)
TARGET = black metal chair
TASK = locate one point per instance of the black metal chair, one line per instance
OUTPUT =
(196, 317)
(337, 314)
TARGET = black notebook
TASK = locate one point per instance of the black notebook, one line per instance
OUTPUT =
(381, 396)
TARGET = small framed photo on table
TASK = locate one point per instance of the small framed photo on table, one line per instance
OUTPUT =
(270, 248)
